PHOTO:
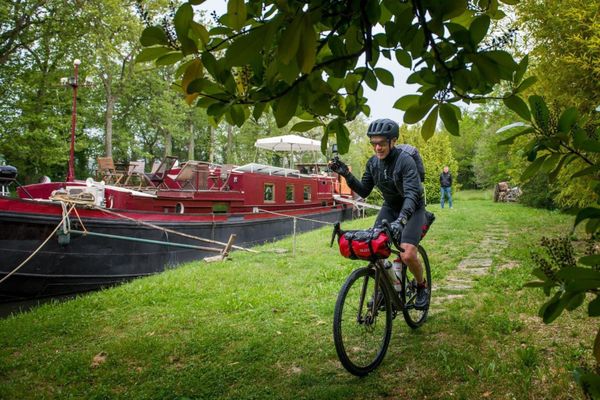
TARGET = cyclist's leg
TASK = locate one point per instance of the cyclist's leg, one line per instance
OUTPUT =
(411, 236)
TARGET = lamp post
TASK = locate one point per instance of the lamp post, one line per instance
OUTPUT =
(73, 82)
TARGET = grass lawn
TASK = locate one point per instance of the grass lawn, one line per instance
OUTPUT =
(260, 327)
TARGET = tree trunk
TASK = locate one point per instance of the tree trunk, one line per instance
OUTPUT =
(168, 143)
(108, 117)
(191, 144)
(229, 157)
(211, 145)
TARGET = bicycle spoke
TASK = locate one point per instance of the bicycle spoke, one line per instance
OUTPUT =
(361, 334)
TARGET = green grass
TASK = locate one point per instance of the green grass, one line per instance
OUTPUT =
(260, 327)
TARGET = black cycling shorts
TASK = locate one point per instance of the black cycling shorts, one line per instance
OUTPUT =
(414, 226)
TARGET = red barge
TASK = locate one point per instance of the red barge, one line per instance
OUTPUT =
(67, 237)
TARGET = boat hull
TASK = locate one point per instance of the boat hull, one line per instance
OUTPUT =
(85, 262)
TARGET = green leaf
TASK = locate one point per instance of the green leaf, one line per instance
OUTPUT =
(244, 48)
(533, 168)
(567, 119)
(521, 69)
(574, 274)
(588, 380)
(213, 66)
(586, 171)
(342, 138)
(151, 53)
(169, 58)
(371, 80)
(182, 21)
(417, 112)
(534, 284)
(305, 126)
(290, 41)
(586, 213)
(405, 102)
(539, 110)
(153, 35)
(238, 116)
(592, 260)
(198, 31)
(513, 126)
(449, 119)
(428, 128)
(384, 76)
(575, 301)
(550, 162)
(236, 14)
(373, 13)
(554, 174)
(259, 108)
(511, 139)
(518, 105)
(285, 108)
(555, 307)
(479, 28)
(307, 50)
(526, 84)
(404, 58)
(594, 307)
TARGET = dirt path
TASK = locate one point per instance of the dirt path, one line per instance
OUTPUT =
(480, 262)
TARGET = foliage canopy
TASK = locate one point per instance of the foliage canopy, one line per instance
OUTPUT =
(311, 59)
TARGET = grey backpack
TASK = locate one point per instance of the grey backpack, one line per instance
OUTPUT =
(414, 153)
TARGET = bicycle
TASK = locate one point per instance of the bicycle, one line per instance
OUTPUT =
(366, 306)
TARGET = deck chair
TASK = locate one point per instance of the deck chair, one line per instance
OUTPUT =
(158, 176)
(193, 175)
(107, 171)
(135, 173)
(224, 176)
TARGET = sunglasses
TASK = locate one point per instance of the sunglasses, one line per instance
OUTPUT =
(381, 143)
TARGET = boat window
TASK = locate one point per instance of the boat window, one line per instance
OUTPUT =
(289, 192)
(306, 193)
(219, 208)
(269, 192)
(179, 208)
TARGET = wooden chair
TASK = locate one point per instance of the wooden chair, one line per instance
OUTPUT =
(135, 172)
(158, 176)
(194, 175)
(107, 171)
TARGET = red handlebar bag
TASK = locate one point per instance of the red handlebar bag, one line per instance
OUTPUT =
(370, 244)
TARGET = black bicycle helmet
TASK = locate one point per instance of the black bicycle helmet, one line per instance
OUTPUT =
(383, 127)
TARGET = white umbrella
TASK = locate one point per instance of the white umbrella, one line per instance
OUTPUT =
(288, 143)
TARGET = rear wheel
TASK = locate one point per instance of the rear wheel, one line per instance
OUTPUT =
(361, 329)
(413, 317)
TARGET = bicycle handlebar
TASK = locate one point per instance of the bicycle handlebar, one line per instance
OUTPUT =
(387, 228)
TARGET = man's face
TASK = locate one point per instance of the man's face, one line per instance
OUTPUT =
(446, 169)
(381, 146)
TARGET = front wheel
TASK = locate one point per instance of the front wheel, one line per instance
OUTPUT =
(362, 322)
(413, 317)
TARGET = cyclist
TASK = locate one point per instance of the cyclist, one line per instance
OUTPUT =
(395, 174)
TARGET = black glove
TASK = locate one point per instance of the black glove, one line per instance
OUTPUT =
(339, 167)
(397, 227)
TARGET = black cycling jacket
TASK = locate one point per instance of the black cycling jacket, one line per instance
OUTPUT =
(397, 178)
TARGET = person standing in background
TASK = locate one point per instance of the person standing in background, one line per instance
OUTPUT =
(445, 186)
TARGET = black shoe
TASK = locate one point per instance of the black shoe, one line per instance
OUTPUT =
(422, 300)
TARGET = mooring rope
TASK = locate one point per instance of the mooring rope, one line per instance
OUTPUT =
(62, 221)
(293, 216)
(172, 231)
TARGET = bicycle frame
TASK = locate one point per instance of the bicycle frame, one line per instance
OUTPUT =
(381, 277)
